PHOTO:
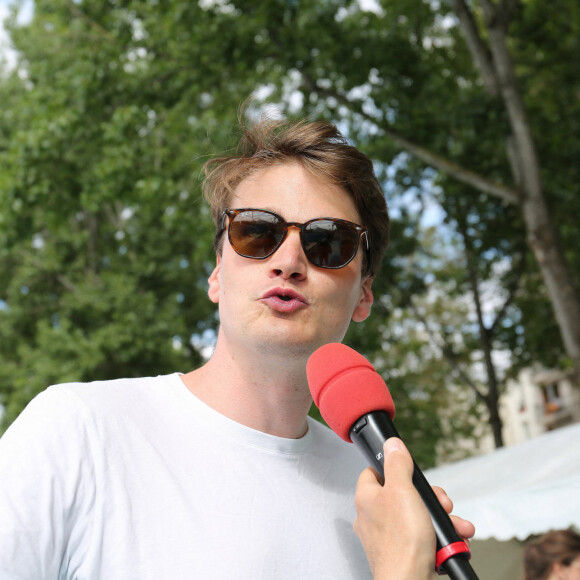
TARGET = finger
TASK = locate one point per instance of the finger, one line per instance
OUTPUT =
(463, 527)
(369, 478)
(443, 498)
(398, 463)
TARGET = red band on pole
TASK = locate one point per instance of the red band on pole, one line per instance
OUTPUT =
(448, 551)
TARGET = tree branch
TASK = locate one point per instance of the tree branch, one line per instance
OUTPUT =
(447, 353)
(511, 295)
(477, 47)
(77, 12)
(489, 9)
(509, 8)
(432, 159)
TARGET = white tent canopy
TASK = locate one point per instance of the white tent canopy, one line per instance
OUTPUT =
(518, 491)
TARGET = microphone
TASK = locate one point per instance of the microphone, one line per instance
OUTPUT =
(356, 404)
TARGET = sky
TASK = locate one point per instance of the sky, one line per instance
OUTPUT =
(3, 14)
(25, 13)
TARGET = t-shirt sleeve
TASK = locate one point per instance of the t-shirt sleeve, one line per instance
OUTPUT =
(46, 485)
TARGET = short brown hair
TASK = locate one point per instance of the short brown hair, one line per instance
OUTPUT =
(320, 148)
(556, 547)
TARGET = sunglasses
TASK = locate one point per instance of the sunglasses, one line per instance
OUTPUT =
(327, 242)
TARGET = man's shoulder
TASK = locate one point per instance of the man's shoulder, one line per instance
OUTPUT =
(80, 407)
(113, 386)
(120, 393)
(78, 398)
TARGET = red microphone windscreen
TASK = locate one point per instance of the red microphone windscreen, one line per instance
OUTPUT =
(345, 386)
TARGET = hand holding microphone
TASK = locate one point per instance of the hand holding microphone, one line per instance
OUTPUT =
(396, 511)
(356, 404)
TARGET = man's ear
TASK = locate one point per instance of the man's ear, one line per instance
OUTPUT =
(363, 308)
(558, 569)
(214, 282)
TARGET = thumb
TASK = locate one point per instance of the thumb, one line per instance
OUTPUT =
(398, 463)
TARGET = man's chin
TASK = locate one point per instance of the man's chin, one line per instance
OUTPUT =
(292, 345)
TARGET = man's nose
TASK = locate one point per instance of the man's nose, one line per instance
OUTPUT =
(289, 260)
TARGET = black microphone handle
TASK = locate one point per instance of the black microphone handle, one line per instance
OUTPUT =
(369, 433)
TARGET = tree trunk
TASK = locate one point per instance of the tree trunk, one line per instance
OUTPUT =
(493, 60)
(485, 340)
(495, 420)
(541, 233)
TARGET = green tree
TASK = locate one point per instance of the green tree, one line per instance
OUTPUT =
(483, 93)
(105, 243)
(116, 103)
(463, 89)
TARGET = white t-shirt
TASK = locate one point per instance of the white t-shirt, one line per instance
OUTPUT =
(138, 479)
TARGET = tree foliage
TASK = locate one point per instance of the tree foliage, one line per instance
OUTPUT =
(105, 245)
(105, 242)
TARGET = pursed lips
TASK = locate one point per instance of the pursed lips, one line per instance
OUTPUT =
(284, 300)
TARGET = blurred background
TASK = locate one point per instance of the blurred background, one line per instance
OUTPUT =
(469, 110)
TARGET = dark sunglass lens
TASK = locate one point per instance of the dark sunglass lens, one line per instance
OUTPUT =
(255, 234)
(330, 244)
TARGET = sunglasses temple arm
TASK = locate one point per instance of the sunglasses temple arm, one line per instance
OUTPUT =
(223, 221)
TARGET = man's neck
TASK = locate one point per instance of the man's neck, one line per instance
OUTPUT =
(269, 394)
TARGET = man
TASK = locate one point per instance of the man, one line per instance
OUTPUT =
(219, 473)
